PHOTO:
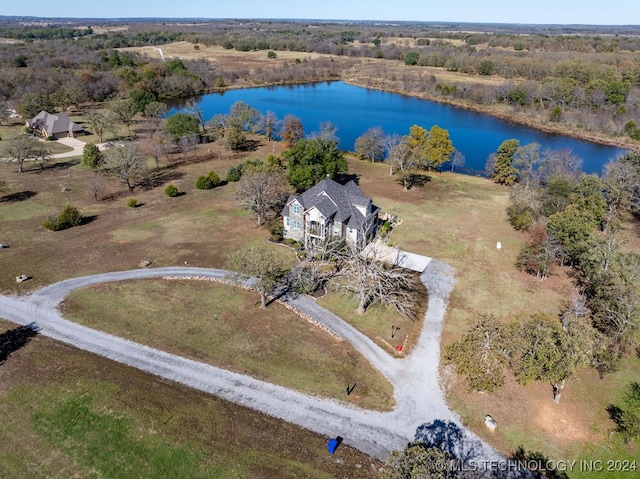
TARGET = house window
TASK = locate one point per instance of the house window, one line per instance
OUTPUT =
(287, 221)
(296, 209)
(296, 225)
(350, 230)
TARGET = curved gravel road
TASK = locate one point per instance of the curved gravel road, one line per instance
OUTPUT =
(418, 395)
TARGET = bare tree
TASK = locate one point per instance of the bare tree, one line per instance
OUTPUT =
(262, 190)
(98, 122)
(95, 186)
(25, 147)
(621, 181)
(125, 163)
(268, 123)
(4, 111)
(326, 132)
(259, 265)
(527, 160)
(292, 130)
(123, 111)
(370, 145)
(400, 158)
(155, 146)
(457, 160)
(198, 113)
(188, 143)
(374, 279)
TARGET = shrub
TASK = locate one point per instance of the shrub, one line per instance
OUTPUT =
(204, 183)
(51, 138)
(520, 219)
(234, 173)
(171, 191)
(91, 156)
(132, 202)
(271, 54)
(385, 229)
(627, 418)
(276, 228)
(215, 179)
(69, 218)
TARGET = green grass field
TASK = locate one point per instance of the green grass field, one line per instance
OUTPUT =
(67, 413)
(223, 325)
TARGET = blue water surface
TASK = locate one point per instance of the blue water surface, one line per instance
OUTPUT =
(353, 110)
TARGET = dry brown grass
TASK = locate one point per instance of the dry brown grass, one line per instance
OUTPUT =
(459, 219)
(220, 56)
(200, 228)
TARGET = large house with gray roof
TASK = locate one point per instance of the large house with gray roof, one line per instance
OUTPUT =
(56, 125)
(330, 210)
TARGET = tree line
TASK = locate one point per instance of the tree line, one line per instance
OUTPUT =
(573, 221)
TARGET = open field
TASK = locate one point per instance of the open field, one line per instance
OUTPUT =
(224, 326)
(453, 218)
(67, 413)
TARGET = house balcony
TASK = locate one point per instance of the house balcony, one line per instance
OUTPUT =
(316, 229)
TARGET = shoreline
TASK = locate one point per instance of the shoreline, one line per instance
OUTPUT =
(521, 120)
(561, 129)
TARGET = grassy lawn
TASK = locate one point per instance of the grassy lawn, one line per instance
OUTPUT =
(376, 322)
(67, 413)
(223, 325)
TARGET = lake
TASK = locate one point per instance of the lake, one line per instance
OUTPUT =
(353, 110)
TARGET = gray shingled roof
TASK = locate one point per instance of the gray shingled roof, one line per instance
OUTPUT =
(54, 124)
(332, 198)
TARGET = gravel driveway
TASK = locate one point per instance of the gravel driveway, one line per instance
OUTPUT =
(418, 395)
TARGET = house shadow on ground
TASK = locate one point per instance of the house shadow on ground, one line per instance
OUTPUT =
(470, 459)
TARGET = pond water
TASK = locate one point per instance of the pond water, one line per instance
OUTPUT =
(353, 110)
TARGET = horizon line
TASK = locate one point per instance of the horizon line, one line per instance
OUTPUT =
(341, 20)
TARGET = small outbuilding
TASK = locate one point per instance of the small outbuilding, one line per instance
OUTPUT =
(56, 125)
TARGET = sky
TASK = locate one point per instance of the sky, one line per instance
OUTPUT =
(592, 12)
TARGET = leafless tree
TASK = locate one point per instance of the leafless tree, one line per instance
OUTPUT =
(98, 122)
(268, 123)
(260, 263)
(370, 145)
(621, 181)
(457, 160)
(262, 190)
(125, 163)
(399, 156)
(22, 148)
(155, 146)
(326, 132)
(527, 160)
(123, 111)
(95, 186)
(372, 279)
(188, 143)
(198, 113)
(291, 130)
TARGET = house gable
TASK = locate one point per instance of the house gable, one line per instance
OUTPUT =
(58, 125)
(329, 208)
